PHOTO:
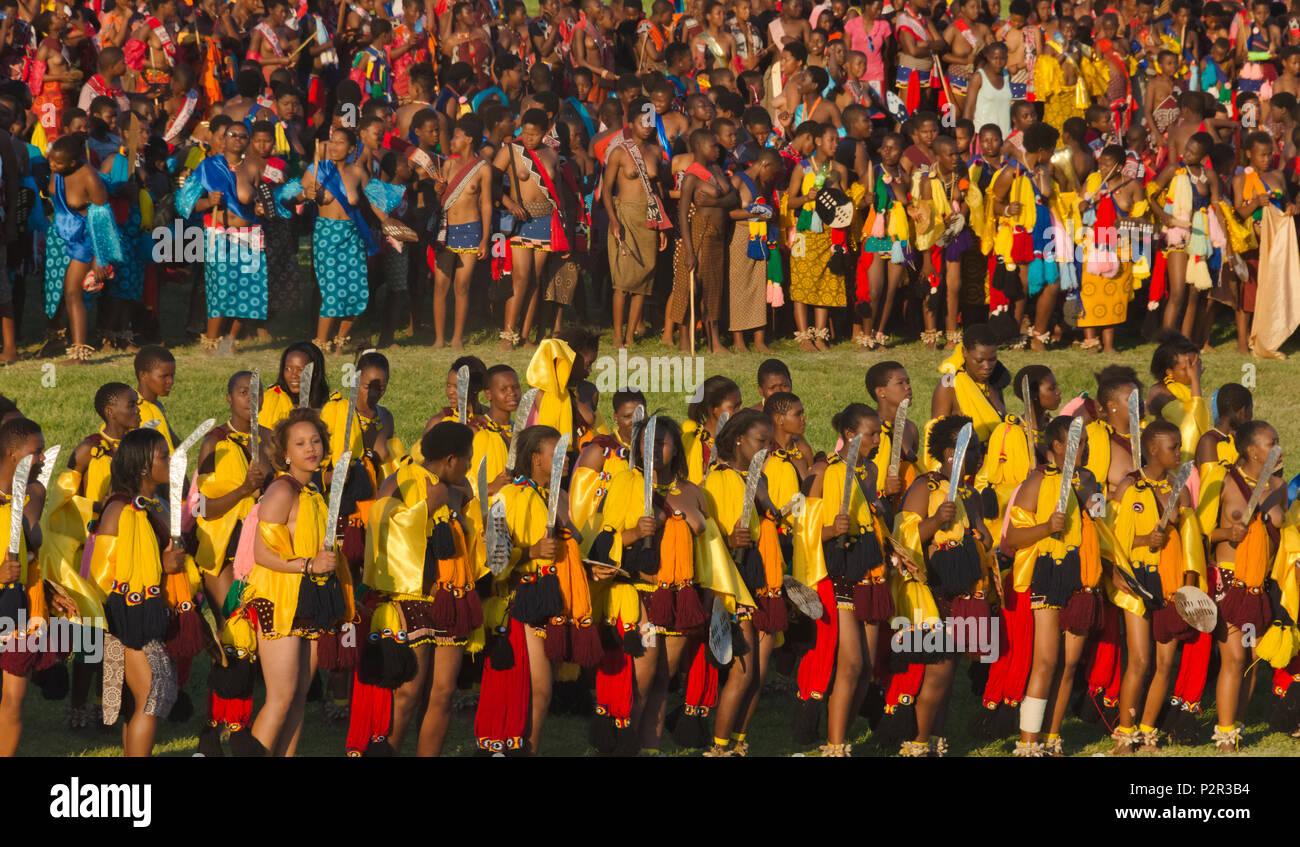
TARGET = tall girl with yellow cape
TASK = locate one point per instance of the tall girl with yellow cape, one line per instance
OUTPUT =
(756, 549)
(423, 557)
(945, 573)
(297, 590)
(718, 396)
(1160, 561)
(838, 552)
(549, 592)
(74, 501)
(230, 483)
(677, 559)
(1242, 547)
(130, 559)
(1057, 560)
(286, 394)
(1176, 396)
(1009, 456)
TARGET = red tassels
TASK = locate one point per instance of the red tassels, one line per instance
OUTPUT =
(371, 717)
(913, 92)
(235, 713)
(1104, 670)
(701, 682)
(615, 683)
(817, 665)
(504, 697)
(1010, 673)
(1192, 671)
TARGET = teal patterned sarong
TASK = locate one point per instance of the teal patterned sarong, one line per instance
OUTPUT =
(234, 275)
(339, 257)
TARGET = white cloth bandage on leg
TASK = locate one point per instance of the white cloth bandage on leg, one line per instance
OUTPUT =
(1032, 710)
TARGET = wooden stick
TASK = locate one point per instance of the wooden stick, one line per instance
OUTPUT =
(692, 313)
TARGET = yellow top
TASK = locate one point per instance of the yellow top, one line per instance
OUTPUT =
(276, 406)
(130, 562)
(230, 469)
(152, 416)
(1137, 513)
(1190, 414)
(281, 587)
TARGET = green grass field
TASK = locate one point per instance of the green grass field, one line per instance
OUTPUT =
(59, 397)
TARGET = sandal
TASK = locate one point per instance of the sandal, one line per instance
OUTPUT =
(914, 749)
(1227, 740)
(509, 339)
(931, 338)
(805, 339)
(719, 751)
(836, 751)
(1125, 742)
(1053, 747)
(821, 337)
(1029, 750)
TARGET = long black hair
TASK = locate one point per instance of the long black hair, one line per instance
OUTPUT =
(530, 444)
(713, 393)
(667, 431)
(132, 460)
(319, 390)
(738, 426)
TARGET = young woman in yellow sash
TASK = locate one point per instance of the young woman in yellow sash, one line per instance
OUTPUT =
(756, 549)
(477, 377)
(603, 458)
(284, 396)
(130, 559)
(1110, 450)
(297, 590)
(428, 518)
(888, 385)
(493, 429)
(971, 380)
(1158, 562)
(718, 396)
(230, 483)
(839, 551)
(374, 445)
(551, 591)
(1242, 547)
(1216, 451)
(22, 585)
(1058, 560)
(74, 501)
(1009, 456)
(943, 578)
(1176, 396)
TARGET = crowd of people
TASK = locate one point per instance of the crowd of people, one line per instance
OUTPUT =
(894, 171)
(559, 551)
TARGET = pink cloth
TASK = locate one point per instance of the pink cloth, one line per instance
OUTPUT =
(871, 43)
(244, 550)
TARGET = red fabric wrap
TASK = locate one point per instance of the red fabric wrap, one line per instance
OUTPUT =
(1104, 668)
(615, 681)
(504, 697)
(1010, 673)
(701, 680)
(1192, 670)
(371, 715)
(818, 664)
(234, 713)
